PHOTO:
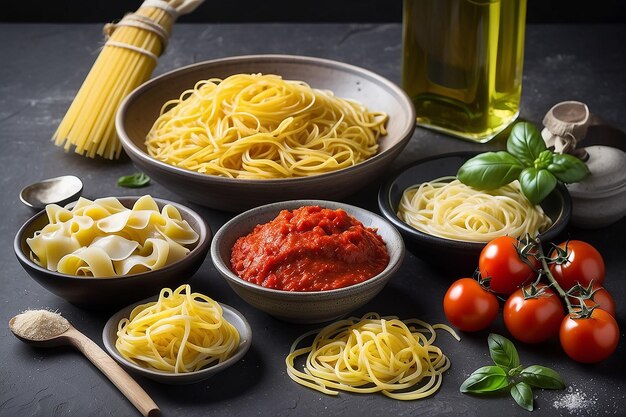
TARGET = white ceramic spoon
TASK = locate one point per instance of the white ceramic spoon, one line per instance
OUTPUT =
(59, 190)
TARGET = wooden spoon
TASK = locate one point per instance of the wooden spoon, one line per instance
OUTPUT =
(108, 366)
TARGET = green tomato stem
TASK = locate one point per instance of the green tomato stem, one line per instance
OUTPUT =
(548, 274)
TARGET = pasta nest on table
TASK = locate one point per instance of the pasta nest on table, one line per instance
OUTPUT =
(372, 354)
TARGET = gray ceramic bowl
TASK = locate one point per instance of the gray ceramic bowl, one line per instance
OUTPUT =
(141, 108)
(454, 256)
(234, 317)
(114, 292)
(304, 307)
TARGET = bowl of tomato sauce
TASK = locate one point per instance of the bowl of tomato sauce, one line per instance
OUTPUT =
(307, 261)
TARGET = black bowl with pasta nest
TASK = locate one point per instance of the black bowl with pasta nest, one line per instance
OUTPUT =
(455, 256)
(139, 111)
(107, 293)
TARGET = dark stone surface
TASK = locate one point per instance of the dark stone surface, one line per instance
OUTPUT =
(284, 11)
(42, 68)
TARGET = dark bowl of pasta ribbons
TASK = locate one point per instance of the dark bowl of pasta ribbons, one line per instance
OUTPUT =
(306, 305)
(239, 132)
(458, 254)
(111, 271)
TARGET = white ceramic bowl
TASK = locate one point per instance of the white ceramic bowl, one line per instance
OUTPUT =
(304, 307)
(141, 108)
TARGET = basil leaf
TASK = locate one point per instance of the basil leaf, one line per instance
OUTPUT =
(544, 160)
(525, 143)
(542, 377)
(136, 180)
(536, 184)
(490, 170)
(522, 393)
(503, 352)
(568, 168)
(485, 379)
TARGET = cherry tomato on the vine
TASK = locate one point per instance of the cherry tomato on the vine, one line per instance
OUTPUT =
(469, 306)
(584, 264)
(500, 261)
(589, 340)
(602, 298)
(536, 319)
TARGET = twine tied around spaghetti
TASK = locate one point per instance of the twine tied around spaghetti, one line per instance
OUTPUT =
(134, 44)
(174, 9)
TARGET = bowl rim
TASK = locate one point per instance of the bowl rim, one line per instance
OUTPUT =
(392, 267)
(134, 151)
(204, 238)
(386, 207)
(245, 341)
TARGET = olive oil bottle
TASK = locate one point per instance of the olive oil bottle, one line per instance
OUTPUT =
(462, 64)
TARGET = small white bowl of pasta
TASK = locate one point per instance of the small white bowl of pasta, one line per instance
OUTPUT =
(208, 337)
(239, 132)
(446, 231)
(106, 253)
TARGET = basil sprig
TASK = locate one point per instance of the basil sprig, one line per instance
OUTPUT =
(526, 159)
(137, 180)
(509, 375)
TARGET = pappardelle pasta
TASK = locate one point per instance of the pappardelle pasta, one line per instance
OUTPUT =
(180, 332)
(102, 238)
(447, 208)
(372, 354)
(259, 126)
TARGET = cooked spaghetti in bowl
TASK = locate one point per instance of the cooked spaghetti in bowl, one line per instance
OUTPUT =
(261, 126)
(456, 251)
(177, 337)
(447, 208)
(234, 192)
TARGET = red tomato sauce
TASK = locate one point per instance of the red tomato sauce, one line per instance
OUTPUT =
(309, 249)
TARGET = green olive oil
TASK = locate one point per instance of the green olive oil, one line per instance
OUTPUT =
(462, 64)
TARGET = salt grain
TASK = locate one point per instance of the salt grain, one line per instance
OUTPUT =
(574, 400)
(39, 324)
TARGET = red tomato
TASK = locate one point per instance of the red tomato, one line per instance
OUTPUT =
(602, 298)
(584, 264)
(533, 320)
(500, 261)
(589, 340)
(469, 306)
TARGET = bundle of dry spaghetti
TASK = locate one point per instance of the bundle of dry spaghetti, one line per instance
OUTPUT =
(128, 58)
